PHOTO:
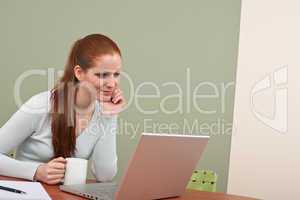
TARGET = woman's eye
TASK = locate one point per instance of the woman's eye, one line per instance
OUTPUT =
(117, 74)
(105, 75)
(102, 75)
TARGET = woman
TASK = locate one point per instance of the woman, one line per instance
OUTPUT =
(77, 118)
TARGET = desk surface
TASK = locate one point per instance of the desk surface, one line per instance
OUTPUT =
(56, 194)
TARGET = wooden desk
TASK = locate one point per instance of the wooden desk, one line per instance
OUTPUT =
(56, 194)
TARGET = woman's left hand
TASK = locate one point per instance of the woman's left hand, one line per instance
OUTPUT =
(115, 105)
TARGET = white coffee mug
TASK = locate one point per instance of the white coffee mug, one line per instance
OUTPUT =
(76, 171)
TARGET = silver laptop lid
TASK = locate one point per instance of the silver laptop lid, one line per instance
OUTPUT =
(161, 166)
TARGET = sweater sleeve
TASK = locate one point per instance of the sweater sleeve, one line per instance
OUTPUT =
(13, 133)
(104, 156)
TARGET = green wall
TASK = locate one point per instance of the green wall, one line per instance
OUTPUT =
(159, 41)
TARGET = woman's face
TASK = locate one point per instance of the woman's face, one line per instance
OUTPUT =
(104, 77)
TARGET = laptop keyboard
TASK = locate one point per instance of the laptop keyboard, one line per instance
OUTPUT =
(105, 192)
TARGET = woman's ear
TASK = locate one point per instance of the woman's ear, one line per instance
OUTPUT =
(78, 72)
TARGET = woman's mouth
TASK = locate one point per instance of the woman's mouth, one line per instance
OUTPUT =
(108, 93)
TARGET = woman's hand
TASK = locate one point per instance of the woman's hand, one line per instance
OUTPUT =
(52, 172)
(115, 105)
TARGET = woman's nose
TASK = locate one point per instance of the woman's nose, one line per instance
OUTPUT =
(110, 83)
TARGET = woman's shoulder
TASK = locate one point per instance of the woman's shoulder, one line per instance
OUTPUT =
(38, 103)
(42, 96)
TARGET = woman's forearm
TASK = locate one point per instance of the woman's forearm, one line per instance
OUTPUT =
(104, 157)
(16, 168)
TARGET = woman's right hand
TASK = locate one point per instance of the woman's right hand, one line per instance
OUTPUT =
(115, 105)
(52, 172)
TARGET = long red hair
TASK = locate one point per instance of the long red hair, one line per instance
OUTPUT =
(63, 117)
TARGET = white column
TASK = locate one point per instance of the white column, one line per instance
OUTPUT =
(265, 149)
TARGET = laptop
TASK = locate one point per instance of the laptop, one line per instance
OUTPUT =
(160, 167)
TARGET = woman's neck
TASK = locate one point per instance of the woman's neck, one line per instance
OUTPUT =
(85, 102)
